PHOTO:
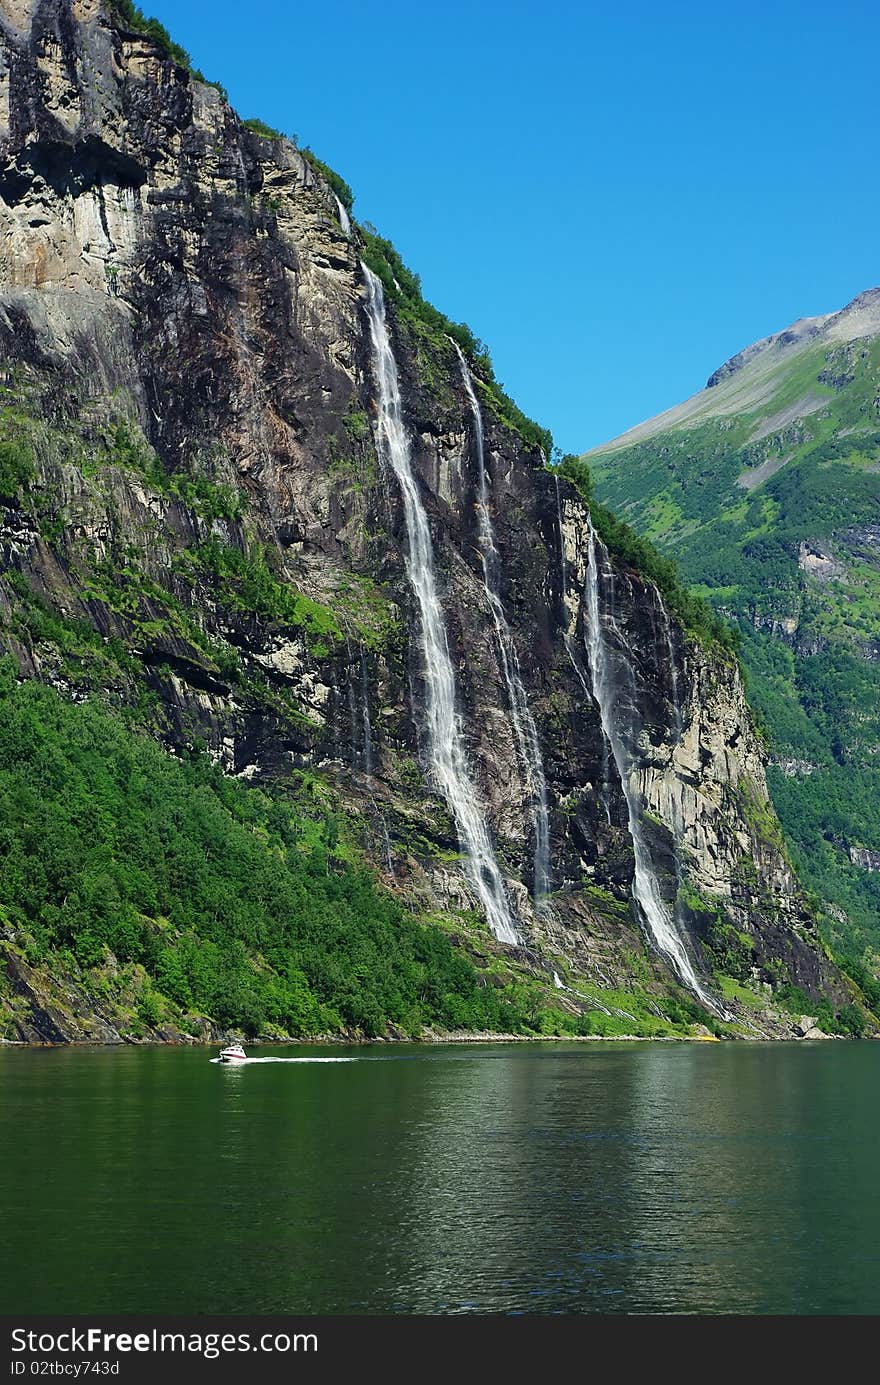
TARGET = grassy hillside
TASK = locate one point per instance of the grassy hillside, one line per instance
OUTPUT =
(766, 489)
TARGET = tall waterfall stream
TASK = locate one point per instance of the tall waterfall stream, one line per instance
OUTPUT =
(446, 745)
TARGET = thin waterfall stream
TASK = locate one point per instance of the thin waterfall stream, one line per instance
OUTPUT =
(446, 745)
(673, 673)
(344, 220)
(604, 796)
(524, 729)
(646, 887)
(365, 715)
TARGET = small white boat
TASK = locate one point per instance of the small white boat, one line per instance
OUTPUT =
(233, 1054)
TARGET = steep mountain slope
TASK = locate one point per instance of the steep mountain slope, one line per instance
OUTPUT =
(276, 516)
(765, 486)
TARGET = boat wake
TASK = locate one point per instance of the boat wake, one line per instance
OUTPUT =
(240, 1062)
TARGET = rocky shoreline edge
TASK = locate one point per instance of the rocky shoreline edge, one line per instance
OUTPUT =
(429, 1040)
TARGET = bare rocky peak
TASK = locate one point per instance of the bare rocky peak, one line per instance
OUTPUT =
(805, 329)
(750, 379)
(860, 318)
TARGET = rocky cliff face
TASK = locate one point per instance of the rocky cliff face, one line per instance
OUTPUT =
(201, 526)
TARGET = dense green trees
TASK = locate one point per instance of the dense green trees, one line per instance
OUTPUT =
(239, 903)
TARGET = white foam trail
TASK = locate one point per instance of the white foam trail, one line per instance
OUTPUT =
(646, 887)
(444, 730)
(559, 985)
(344, 221)
(242, 1062)
(521, 717)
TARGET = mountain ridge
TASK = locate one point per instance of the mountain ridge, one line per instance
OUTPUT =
(724, 394)
(200, 529)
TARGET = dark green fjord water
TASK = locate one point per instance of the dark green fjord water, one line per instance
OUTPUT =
(531, 1178)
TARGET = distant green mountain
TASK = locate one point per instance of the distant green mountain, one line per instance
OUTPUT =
(765, 486)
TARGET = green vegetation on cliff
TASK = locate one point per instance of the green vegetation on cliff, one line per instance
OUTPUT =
(134, 18)
(336, 180)
(247, 582)
(16, 467)
(259, 127)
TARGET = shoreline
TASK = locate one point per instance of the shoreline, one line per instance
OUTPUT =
(433, 1041)
(428, 1041)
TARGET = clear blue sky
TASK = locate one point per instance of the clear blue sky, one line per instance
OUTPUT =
(615, 196)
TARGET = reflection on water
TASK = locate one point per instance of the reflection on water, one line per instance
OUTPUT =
(532, 1178)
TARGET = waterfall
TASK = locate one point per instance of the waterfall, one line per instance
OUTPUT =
(563, 566)
(365, 703)
(343, 217)
(359, 720)
(444, 731)
(364, 750)
(563, 577)
(675, 805)
(673, 673)
(605, 795)
(524, 728)
(352, 717)
(646, 887)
